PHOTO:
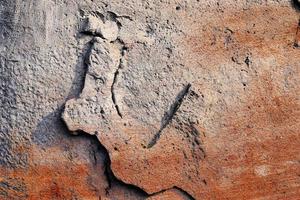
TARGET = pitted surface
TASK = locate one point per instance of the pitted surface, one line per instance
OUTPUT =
(190, 99)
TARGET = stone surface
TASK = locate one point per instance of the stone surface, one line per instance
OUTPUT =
(107, 29)
(167, 99)
(169, 194)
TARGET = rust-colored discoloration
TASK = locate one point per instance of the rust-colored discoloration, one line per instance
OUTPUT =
(257, 154)
(252, 152)
(245, 67)
(257, 30)
(173, 194)
(58, 178)
(56, 182)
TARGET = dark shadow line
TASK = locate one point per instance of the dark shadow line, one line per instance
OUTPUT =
(169, 115)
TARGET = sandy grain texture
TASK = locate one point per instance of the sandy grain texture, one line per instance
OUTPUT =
(149, 99)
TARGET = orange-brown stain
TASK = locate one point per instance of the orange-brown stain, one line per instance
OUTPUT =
(53, 178)
(259, 30)
(257, 153)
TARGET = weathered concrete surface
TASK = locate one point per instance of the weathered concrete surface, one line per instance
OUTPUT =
(190, 99)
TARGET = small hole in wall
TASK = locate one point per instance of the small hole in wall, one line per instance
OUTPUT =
(178, 8)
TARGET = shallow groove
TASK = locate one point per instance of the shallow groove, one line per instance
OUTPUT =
(113, 94)
(169, 115)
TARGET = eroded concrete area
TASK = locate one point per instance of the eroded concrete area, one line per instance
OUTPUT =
(213, 89)
(160, 100)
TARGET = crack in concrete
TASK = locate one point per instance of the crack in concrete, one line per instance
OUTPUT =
(169, 115)
(113, 94)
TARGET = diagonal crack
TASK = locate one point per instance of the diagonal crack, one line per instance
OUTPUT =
(169, 115)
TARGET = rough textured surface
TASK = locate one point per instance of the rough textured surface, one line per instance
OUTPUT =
(183, 99)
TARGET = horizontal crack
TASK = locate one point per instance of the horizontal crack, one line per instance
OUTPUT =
(170, 114)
